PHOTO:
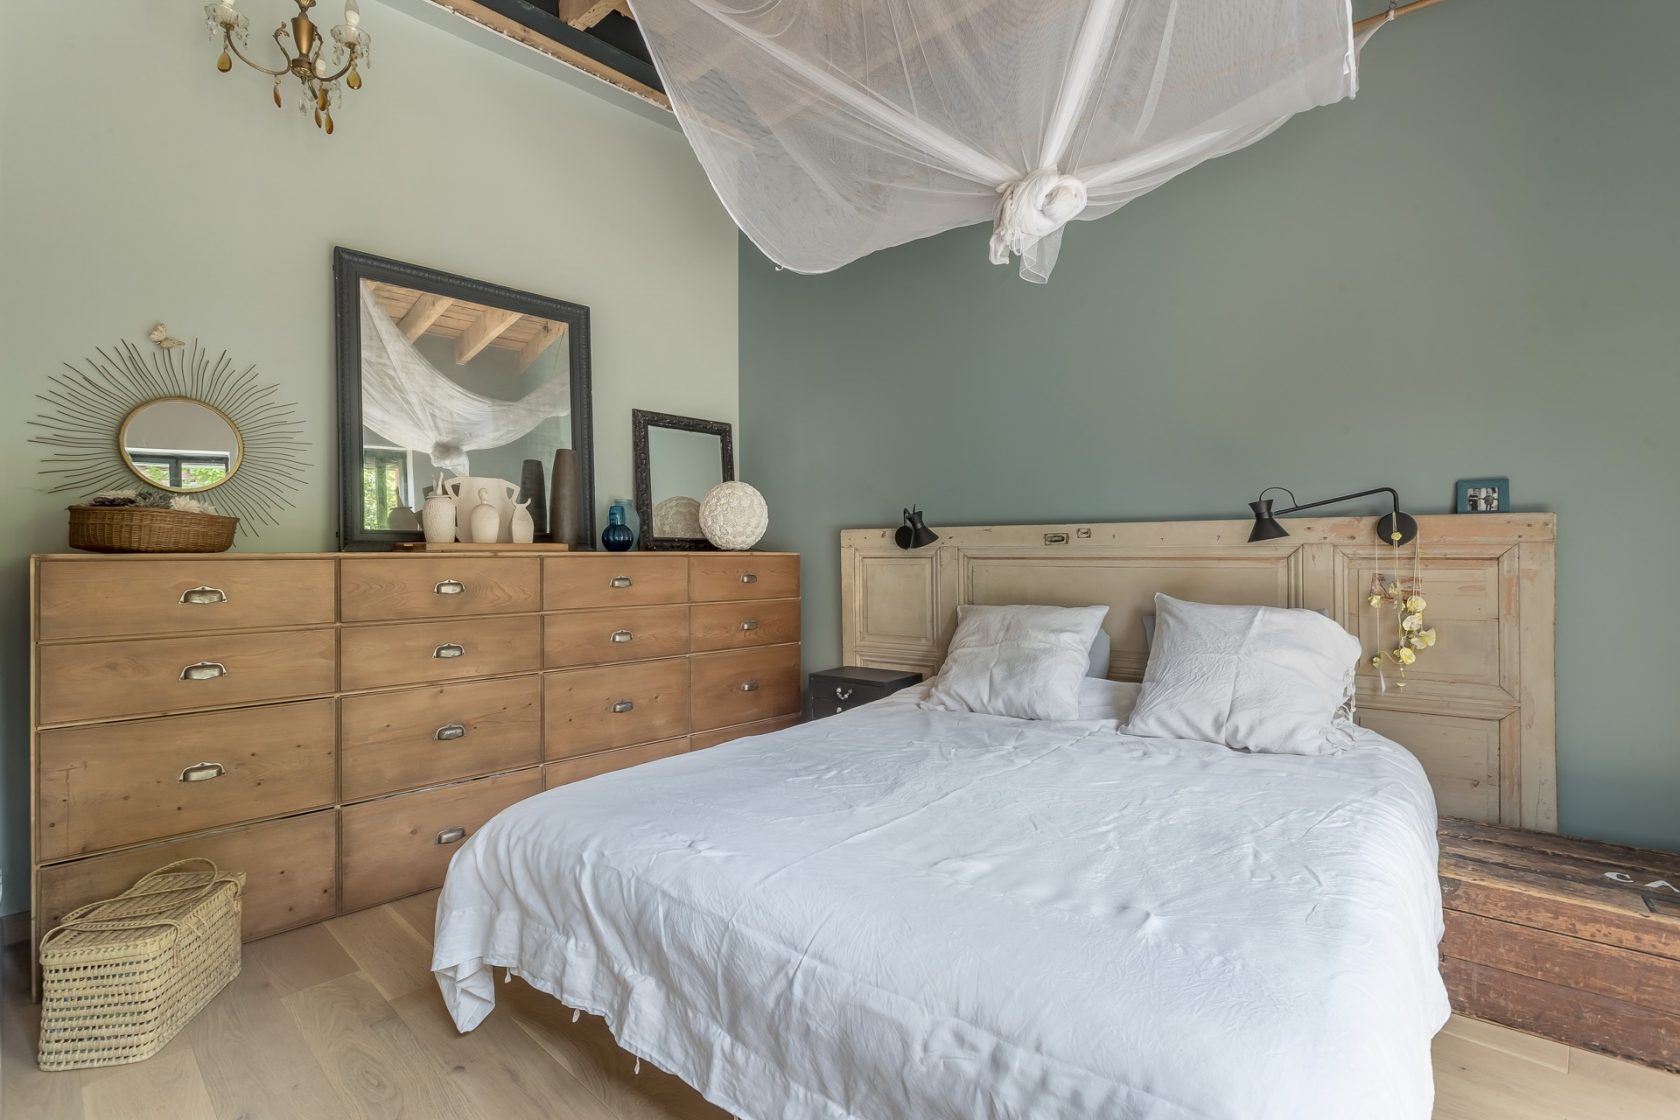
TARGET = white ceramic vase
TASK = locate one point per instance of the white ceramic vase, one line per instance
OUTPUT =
(465, 490)
(484, 521)
(523, 530)
(437, 519)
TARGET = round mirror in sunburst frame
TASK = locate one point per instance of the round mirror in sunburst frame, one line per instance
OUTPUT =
(176, 420)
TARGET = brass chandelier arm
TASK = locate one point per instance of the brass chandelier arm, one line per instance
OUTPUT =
(349, 65)
(227, 41)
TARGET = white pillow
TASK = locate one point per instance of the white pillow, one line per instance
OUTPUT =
(1101, 647)
(1268, 679)
(1025, 662)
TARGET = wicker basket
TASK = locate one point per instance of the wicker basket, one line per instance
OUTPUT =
(120, 978)
(145, 529)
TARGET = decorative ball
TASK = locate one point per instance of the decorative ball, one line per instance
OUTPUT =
(733, 516)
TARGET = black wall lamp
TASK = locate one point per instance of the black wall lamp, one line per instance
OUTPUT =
(913, 534)
(1397, 528)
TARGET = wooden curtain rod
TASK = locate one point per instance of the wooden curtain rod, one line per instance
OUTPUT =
(1398, 11)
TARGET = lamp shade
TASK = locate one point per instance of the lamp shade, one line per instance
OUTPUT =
(913, 533)
(1266, 527)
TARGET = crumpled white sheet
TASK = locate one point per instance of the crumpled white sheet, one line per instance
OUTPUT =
(898, 913)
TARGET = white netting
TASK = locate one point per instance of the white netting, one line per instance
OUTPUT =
(406, 400)
(833, 128)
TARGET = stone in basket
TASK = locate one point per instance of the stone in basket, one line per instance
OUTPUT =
(120, 978)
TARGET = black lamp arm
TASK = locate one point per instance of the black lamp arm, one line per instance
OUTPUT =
(1393, 496)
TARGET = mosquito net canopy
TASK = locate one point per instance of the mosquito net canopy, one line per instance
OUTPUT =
(833, 128)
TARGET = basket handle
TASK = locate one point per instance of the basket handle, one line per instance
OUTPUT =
(147, 886)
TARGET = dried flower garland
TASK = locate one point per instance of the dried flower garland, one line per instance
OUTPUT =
(1412, 633)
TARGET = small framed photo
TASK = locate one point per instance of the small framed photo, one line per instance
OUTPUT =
(1482, 495)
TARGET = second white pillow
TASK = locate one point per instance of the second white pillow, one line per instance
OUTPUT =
(1027, 661)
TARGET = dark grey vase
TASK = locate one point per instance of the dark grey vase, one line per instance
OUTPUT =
(531, 489)
(563, 509)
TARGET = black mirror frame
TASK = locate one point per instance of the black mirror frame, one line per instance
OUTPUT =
(350, 267)
(640, 420)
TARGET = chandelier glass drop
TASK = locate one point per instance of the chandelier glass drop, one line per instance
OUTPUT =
(305, 56)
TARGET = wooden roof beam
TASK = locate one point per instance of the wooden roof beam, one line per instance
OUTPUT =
(547, 335)
(426, 311)
(584, 14)
(484, 330)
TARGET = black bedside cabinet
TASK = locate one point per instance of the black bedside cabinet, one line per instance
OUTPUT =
(833, 691)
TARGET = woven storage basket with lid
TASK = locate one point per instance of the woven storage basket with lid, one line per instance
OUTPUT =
(120, 978)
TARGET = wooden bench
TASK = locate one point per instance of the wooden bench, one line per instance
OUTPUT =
(1571, 939)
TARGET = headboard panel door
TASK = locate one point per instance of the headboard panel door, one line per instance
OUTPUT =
(1477, 709)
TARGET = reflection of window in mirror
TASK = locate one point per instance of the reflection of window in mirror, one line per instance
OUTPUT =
(385, 484)
(180, 444)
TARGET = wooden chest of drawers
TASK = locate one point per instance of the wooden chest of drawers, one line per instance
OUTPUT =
(1572, 939)
(335, 726)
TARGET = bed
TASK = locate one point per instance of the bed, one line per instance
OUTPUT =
(902, 913)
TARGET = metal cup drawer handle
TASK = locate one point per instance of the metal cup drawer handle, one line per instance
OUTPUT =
(749, 686)
(624, 706)
(749, 624)
(749, 577)
(203, 596)
(449, 587)
(619, 581)
(204, 671)
(450, 731)
(842, 693)
(203, 772)
(448, 650)
(452, 835)
(622, 635)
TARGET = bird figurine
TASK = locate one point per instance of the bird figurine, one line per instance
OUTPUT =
(160, 335)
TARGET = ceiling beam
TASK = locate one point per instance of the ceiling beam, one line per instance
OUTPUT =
(584, 14)
(547, 335)
(484, 330)
(422, 315)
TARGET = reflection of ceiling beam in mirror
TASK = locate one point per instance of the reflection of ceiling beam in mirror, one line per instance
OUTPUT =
(483, 332)
(547, 335)
(426, 311)
(584, 14)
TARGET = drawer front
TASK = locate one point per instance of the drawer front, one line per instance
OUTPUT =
(423, 736)
(113, 784)
(743, 575)
(586, 710)
(399, 588)
(154, 676)
(622, 580)
(703, 739)
(402, 845)
(421, 652)
(288, 867)
(622, 634)
(744, 686)
(605, 762)
(94, 599)
(718, 626)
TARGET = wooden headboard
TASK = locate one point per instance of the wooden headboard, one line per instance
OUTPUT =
(1478, 709)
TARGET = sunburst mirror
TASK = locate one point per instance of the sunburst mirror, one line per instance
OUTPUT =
(173, 418)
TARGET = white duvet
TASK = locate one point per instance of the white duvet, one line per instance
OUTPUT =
(930, 915)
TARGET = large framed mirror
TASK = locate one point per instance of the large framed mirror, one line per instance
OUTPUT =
(677, 459)
(443, 376)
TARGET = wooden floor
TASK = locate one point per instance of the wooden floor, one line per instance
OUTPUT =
(343, 1020)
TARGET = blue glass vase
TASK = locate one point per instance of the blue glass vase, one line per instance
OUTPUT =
(617, 536)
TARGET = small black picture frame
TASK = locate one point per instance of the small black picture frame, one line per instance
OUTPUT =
(1482, 495)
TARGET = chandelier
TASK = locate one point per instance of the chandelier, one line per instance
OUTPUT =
(303, 59)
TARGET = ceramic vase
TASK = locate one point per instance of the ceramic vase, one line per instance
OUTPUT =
(485, 521)
(523, 529)
(437, 519)
(465, 490)
(617, 536)
(564, 523)
(532, 493)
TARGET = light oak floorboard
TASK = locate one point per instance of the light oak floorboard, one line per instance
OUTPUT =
(309, 1032)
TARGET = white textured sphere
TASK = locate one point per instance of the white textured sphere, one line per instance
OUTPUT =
(733, 515)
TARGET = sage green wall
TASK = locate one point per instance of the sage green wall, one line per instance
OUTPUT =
(1472, 269)
(138, 184)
